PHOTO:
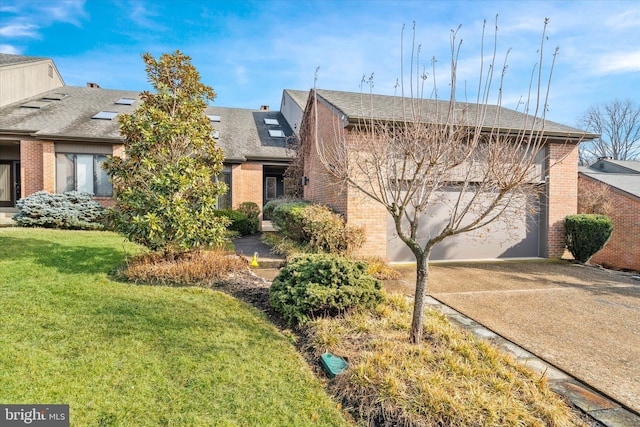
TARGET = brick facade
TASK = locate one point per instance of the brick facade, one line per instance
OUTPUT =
(37, 167)
(562, 197)
(360, 210)
(623, 250)
(246, 184)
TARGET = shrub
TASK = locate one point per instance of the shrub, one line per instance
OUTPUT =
(250, 209)
(586, 234)
(316, 284)
(326, 231)
(73, 210)
(238, 221)
(267, 210)
(287, 218)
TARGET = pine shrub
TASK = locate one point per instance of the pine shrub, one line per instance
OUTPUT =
(586, 234)
(73, 210)
(321, 284)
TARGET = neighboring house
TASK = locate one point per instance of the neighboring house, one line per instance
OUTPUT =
(622, 181)
(56, 140)
(539, 236)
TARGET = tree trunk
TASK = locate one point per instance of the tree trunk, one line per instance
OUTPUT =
(422, 276)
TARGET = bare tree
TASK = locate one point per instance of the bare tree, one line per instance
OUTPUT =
(408, 161)
(618, 124)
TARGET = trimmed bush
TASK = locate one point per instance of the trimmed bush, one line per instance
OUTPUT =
(250, 209)
(321, 284)
(73, 210)
(325, 231)
(239, 221)
(586, 234)
(287, 218)
(267, 210)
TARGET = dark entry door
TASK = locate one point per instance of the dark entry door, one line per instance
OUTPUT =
(273, 185)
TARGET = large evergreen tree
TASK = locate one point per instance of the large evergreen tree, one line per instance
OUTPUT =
(164, 186)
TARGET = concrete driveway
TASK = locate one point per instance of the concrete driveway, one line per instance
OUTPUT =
(583, 320)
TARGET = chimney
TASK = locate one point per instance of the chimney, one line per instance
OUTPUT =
(93, 85)
(264, 108)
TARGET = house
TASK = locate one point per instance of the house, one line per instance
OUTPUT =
(56, 138)
(540, 235)
(621, 183)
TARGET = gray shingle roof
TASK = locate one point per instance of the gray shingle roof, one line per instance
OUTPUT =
(242, 132)
(625, 178)
(299, 97)
(69, 118)
(10, 59)
(357, 106)
(244, 135)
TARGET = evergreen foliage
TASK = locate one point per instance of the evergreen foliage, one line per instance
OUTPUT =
(164, 187)
(316, 284)
(73, 210)
(586, 234)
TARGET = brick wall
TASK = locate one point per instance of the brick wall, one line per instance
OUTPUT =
(562, 194)
(323, 187)
(623, 250)
(246, 184)
(31, 170)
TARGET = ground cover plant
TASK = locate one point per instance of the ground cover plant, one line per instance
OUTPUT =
(451, 379)
(131, 355)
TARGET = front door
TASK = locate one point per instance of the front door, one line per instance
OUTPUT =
(273, 185)
(7, 183)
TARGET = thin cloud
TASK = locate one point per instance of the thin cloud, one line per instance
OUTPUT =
(19, 30)
(7, 48)
(619, 62)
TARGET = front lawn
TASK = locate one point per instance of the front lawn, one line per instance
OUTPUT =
(130, 355)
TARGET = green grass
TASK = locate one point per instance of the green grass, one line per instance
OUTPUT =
(129, 355)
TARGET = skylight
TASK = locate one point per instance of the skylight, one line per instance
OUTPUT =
(276, 133)
(125, 101)
(36, 104)
(216, 134)
(214, 118)
(55, 97)
(105, 115)
(271, 122)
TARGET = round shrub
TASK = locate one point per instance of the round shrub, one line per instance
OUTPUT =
(238, 221)
(287, 218)
(586, 234)
(321, 284)
(267, 210)
(326, 231)
(73, 210)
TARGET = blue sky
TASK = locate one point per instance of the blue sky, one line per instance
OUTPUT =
(250, 51)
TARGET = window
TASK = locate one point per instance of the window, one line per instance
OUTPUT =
(276, 133)
(271, 122)
(125, 101)
(105, 115)
(55, 97)
(224, 201)
(36, 104)
(82, 172)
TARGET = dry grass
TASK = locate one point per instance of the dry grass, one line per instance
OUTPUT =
(452, 379)
(380, 269)
(201, 268)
